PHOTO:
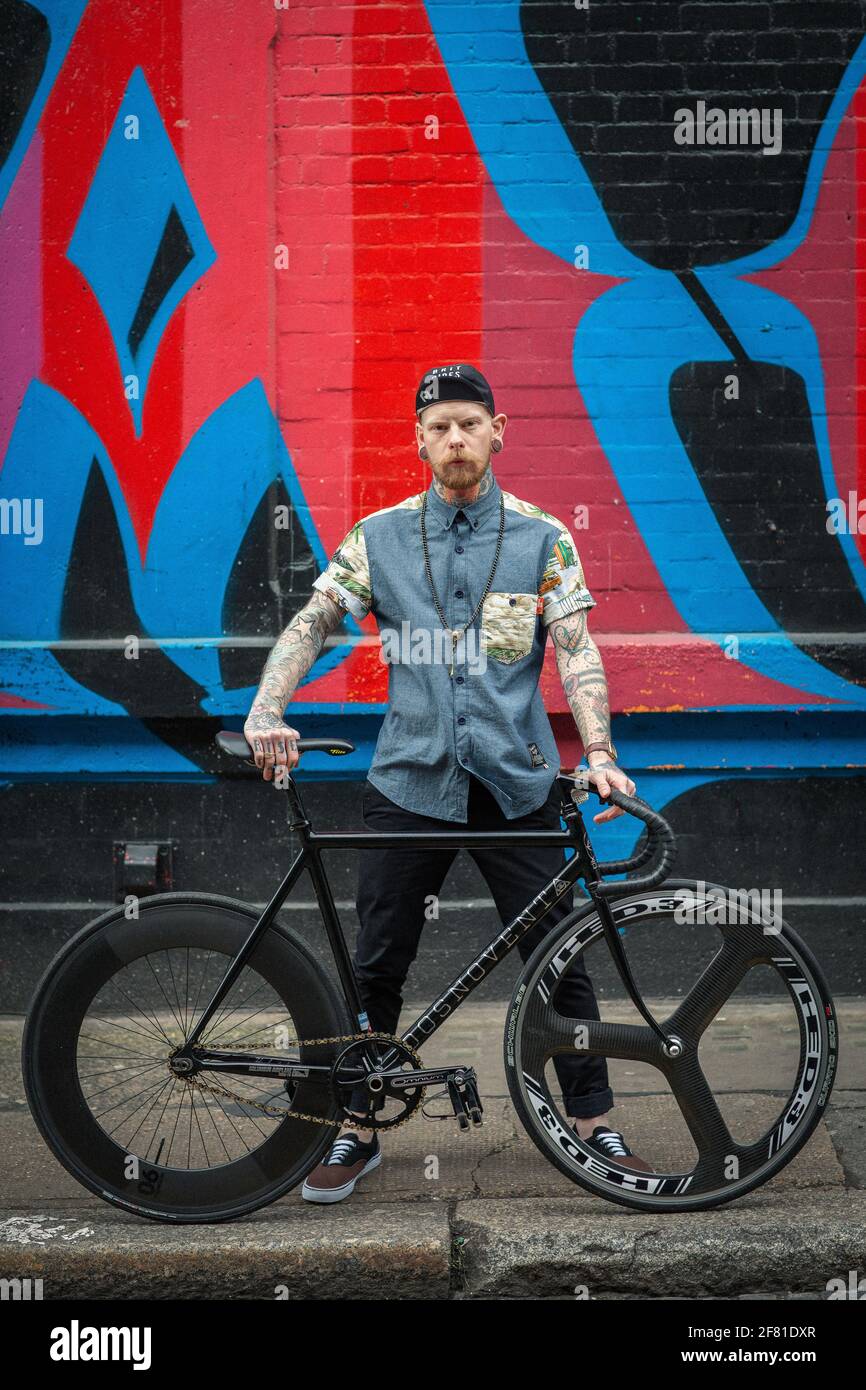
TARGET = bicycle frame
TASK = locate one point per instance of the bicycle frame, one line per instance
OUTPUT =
(582, 864)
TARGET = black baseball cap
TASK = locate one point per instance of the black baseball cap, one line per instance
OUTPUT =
(458, 382)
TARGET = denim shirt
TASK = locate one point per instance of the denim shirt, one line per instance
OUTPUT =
(489, 719)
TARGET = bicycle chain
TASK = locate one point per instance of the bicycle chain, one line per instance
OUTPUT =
(275, 1112)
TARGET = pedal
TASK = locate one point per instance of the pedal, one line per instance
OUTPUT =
(462, 1089)
(465, 1100)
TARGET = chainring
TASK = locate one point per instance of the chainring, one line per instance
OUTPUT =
(409, 1099)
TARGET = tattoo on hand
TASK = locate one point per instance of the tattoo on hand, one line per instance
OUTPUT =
(261, 721)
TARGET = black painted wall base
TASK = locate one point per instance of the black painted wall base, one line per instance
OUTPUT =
(801, 835)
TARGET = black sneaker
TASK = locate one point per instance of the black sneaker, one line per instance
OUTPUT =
(610, 1143)
(347, 1160)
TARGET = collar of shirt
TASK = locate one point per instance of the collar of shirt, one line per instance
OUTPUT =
(475, 512)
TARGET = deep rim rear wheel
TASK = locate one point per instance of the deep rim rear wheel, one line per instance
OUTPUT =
(739, 1136)
(103, 1023)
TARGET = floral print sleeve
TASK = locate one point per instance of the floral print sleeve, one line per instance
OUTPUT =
(563, 586)
(347, 576)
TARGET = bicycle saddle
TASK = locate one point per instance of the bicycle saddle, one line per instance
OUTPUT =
(237, 745)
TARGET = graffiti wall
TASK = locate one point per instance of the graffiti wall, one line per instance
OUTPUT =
(233, 237)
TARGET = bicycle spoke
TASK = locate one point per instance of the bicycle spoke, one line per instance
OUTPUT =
(160, 1031)
(227, 1008)
(100, 1115)
(701, 1113)
(246, 1116)
(149, 1111)
(186, 997)
(214, 1126)
(158, 1125)
(169, 1005)
(117, 1048)
(122, 1081)
(178, 1114)
(711, 991)
(208, 1114)
(191, 1098)
(113, 1024)
(195, 1008)
(179, 1016)
(254, 1118)
(555, 1034)
(109, 1071)
(212, 1038)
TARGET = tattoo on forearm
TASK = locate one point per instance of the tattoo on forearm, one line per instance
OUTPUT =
(582, 674)
(292, 657)
(570, 638)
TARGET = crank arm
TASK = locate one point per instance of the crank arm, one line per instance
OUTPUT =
(405, 1080)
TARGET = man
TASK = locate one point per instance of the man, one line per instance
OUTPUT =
(465, 581)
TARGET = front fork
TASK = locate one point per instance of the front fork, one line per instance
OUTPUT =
(592, 881)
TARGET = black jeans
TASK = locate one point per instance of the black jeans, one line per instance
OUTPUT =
(394, 885)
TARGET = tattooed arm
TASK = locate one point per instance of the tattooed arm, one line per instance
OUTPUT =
(582, 674)
(272, 740)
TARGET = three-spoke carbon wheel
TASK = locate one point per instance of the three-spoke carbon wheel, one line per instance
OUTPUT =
(757, 1057)
(109, 1012)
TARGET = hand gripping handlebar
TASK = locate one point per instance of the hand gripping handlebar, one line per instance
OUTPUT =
(660, 847)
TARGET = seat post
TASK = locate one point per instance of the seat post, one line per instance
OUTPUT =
(295, 814)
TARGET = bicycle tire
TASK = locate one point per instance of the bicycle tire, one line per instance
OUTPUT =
(666, 1192)
(53, 1084)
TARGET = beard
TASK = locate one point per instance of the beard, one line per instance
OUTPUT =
(461, 473)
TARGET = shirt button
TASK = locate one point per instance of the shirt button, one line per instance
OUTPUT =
(459, 680)
(460, 550)
(458, 593)
(461, 720)
(512, 601)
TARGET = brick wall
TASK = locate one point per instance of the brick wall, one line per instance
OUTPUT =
(235, 235)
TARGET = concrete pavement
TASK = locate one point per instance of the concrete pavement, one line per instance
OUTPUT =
(479, 1214)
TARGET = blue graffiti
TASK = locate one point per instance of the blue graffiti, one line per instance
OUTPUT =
(139, 240)
(547, 192)
(199, 526)
(63, 18)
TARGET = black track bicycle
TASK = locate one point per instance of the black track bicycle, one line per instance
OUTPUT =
(189, 1058)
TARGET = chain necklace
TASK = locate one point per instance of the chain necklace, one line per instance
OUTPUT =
(456, 633)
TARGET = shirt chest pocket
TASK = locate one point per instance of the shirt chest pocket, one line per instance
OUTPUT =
(508, 624)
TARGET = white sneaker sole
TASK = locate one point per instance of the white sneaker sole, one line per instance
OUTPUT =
(338, 1194)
